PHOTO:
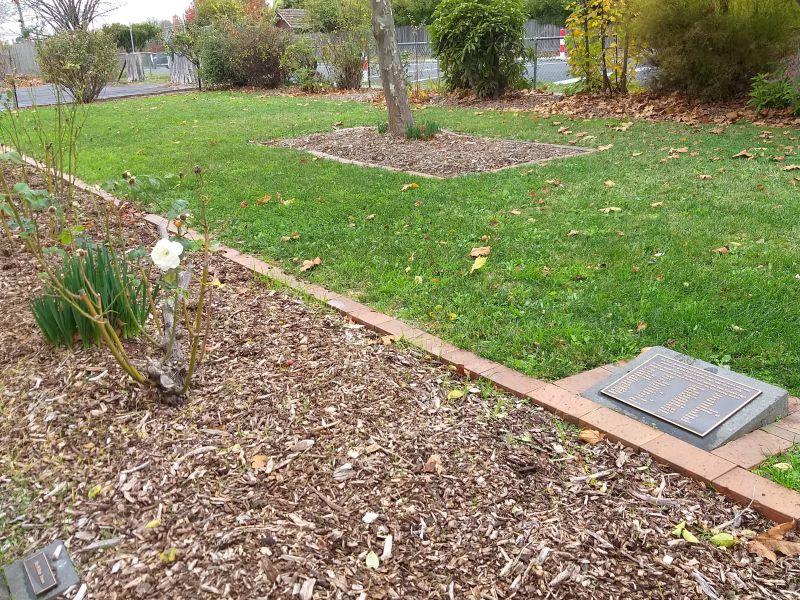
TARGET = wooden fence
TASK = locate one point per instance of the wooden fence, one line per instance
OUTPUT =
(19, 59)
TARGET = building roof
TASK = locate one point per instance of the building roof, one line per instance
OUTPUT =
(296, 18)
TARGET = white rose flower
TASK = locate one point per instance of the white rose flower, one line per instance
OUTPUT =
(166, 254)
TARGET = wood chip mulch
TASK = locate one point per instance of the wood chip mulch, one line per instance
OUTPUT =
(647, 106)
(448, 154)
(308, 443)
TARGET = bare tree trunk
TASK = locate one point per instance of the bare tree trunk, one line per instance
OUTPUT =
(393, 75)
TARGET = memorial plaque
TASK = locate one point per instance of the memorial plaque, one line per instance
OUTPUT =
(681, 394)
(40, 574)
(703, 404)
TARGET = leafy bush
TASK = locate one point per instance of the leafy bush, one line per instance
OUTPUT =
(383, 127)
(82, 62)
(713, 50)
(122, 296)
(480, 45)
(299, 62)
(422, 131)
(244, 54)
(774, 91)
(344, 56)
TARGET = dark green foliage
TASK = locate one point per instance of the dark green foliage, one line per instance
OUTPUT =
(82, 62)
(299, 62)
(414, 12)
(123, 298)
(552, 12)
(712, 50)
(143, 33)
(480, 45)
(774, 91)
(244, 54)
(383, 127)
(421, 131)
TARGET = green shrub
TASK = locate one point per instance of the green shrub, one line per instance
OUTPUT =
(244, 54)
(81, 62)
(344, 56)
(713, 49)
(480, 45)
(123, 298)
(383, 127)
(422, 131)
(773, 91)
(299, 63)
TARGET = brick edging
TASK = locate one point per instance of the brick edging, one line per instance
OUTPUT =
(561, 397)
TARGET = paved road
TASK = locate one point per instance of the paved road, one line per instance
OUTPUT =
(43, 95)
(548, 71)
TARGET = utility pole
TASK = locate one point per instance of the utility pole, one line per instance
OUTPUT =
(133, 46)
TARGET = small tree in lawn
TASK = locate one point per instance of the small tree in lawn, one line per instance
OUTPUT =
(393, 75)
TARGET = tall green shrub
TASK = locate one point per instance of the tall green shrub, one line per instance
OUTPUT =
(244, 54)
(480, 45)
(81, 62)
(713, 48)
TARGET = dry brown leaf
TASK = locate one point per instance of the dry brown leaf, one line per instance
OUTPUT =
(434, 465)
(722, 250)
(370, 217)
(555, 182)
(744, 154)
(515, 211)
(606, 147)
(718, 130)
(388, 340)
(683, 150)
(610, 209)
(704, 177)
(641, 327)
(243, 205)
(310, 264)
(573, 233)
(609, 184)
(480, 251)
(591, 436)
(259, 461)
(263, 200)
(771, 543)
(656, 205)
(791, 168)
(288, 238)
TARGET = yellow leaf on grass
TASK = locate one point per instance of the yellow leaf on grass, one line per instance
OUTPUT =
(480, 251)
(310, 264)
(610, 209)
(604, 148)
(641, 327)
(609, 184)
(590, 436)
(782, 466)
(656, 205)
(478, 264)
(573, 233)
(721, 250)
(409, 186)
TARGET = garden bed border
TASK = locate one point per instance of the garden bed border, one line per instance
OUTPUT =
(726, 469)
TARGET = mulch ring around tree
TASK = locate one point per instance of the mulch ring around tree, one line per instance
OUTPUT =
(315, 459)
(448, 154)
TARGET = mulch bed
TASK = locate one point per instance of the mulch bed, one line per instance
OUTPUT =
(448, 154)
(299, 426)
(647, 106)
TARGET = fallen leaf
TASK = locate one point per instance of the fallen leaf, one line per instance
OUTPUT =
(718, 130)
(409, 186)
(573, 233)
(288, 238)
(153, 524)
(370, 217)
(683, 150)
(791, 168)
(433, 465)
(635, 154)
(704, 177)
(310, 264)
(721, 250)
(259, 461)
(373, 562)
(609, 184)
(744, 154)
(478, 264)
(689, 537)
(782, 466)
(610, 209)
(344, 472)
(555, 182)
(168, 556)
(480, 251)
(678, 531)
(604, 148)
(263, 200)
(243, 205)
(770, 543)
(455, 394)
(590, 436)
(656, 205)
(723, 540)
(641, 327)
(387, 340)
(515, 211)
(387, 547)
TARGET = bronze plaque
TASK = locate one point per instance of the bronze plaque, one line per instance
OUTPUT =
(686, 396)
(40, 573)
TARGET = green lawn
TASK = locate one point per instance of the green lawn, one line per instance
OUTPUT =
(783, 468)
(547, 303)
